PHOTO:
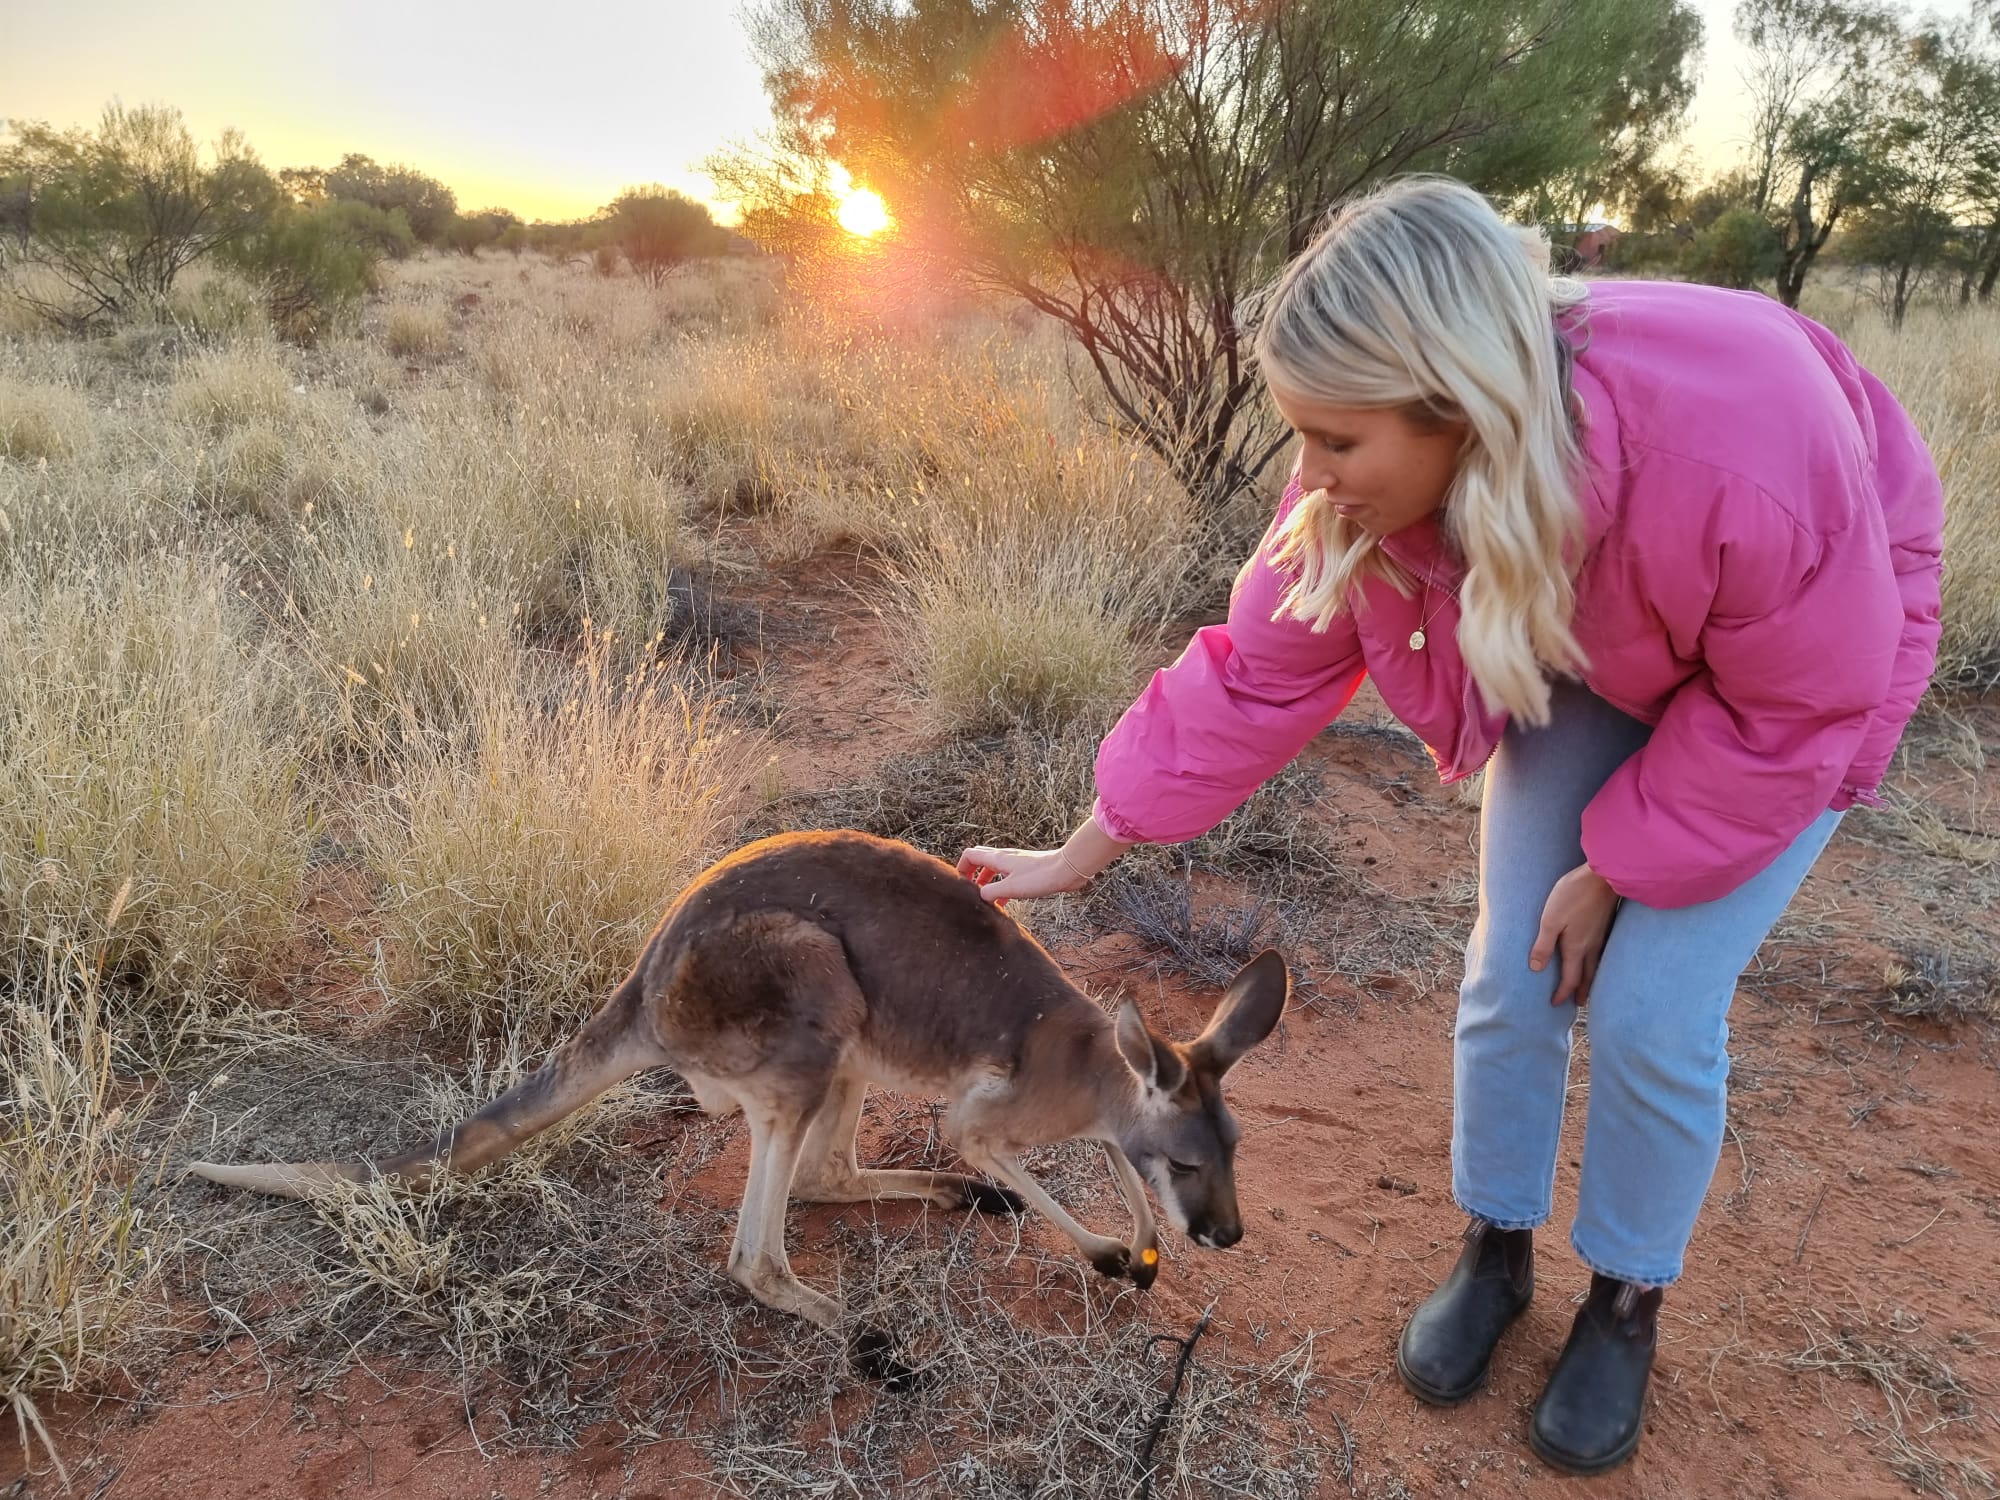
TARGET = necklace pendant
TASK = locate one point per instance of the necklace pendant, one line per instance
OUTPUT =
(1417, 639)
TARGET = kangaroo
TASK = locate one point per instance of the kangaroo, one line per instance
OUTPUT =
(797, 971)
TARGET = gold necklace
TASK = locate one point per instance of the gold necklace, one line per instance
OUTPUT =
(1417, 637)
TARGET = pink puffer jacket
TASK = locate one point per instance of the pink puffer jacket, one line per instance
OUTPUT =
(1761, 586)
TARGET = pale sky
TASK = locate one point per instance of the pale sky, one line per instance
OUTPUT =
(542, 107)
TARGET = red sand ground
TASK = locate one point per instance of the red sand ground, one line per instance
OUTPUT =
(1861, 1184)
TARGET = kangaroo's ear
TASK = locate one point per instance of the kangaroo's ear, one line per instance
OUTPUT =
(1250, 1008)
(1157, 1064)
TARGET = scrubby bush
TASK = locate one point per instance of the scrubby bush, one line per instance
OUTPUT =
(117, 214)
(427, 205)
(317, 262)
(658, 229)
(1738, 250)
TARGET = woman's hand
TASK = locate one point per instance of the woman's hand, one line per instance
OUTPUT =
(1021, 872)
(1028, 873)
(1576, 921)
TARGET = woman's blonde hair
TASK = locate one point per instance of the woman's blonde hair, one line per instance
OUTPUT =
(1418, 295)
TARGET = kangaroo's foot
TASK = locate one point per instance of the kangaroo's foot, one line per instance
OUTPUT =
(774, 1285)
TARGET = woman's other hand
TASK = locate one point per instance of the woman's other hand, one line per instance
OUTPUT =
(1575, 922)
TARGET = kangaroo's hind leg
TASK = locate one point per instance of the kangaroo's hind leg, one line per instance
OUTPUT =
(829, 1172)
(757, 1259)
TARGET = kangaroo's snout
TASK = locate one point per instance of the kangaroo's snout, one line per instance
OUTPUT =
(1216, 1235)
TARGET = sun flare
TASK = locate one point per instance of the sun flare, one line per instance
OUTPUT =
(862, 212)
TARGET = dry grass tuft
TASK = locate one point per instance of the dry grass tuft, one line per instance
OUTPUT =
(1944, 367)
(1010, 627)
(218, 307)
(1940, 985)
(76, 1265)
(529, 856)
(418, 332)
(219, 391)
(140, 752)
(42, 424)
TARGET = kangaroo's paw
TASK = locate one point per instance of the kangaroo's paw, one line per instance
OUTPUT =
(1114, 1261)
(776, 1287)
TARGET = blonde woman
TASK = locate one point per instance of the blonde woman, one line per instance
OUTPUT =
(1665, 561)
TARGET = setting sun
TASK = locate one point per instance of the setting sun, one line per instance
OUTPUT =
(863, 212)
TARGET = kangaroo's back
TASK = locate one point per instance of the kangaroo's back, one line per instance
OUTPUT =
(947, 980)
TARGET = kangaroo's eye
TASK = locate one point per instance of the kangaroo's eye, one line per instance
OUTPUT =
(1181, 1168)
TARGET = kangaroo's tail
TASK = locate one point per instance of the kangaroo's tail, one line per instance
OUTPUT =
(607, 1050)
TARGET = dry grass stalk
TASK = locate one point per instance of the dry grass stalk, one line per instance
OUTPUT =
(1920, 1393)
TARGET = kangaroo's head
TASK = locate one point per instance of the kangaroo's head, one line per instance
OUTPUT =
(1179, 1133)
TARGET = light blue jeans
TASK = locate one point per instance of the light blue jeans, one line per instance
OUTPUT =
(1659, 1059)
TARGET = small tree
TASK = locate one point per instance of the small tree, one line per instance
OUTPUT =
(117, 215)
(1943, 110)
(659, 229)
(1135, 169)
(1981, 187)
(471, 233)
(1816, 85)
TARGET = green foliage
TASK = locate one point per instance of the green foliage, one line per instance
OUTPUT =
(659, 229)
(1939, 143)
(1738, 250)
(384, 234)
(428, 205)
(117, 214)
(471, 233)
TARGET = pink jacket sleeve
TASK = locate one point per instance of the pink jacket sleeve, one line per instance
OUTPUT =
(1799, 644)
(1239, 704)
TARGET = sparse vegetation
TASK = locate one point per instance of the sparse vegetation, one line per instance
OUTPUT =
(377, 696)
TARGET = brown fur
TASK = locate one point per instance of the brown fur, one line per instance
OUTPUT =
(801, 969)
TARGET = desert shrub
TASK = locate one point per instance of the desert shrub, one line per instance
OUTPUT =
(659, 229)
(317, 261)
(122, 211)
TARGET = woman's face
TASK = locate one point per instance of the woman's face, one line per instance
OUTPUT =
(1382, 469)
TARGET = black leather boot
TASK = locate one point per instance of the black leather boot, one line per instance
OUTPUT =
(1448, 1342)
(1589, 1417)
